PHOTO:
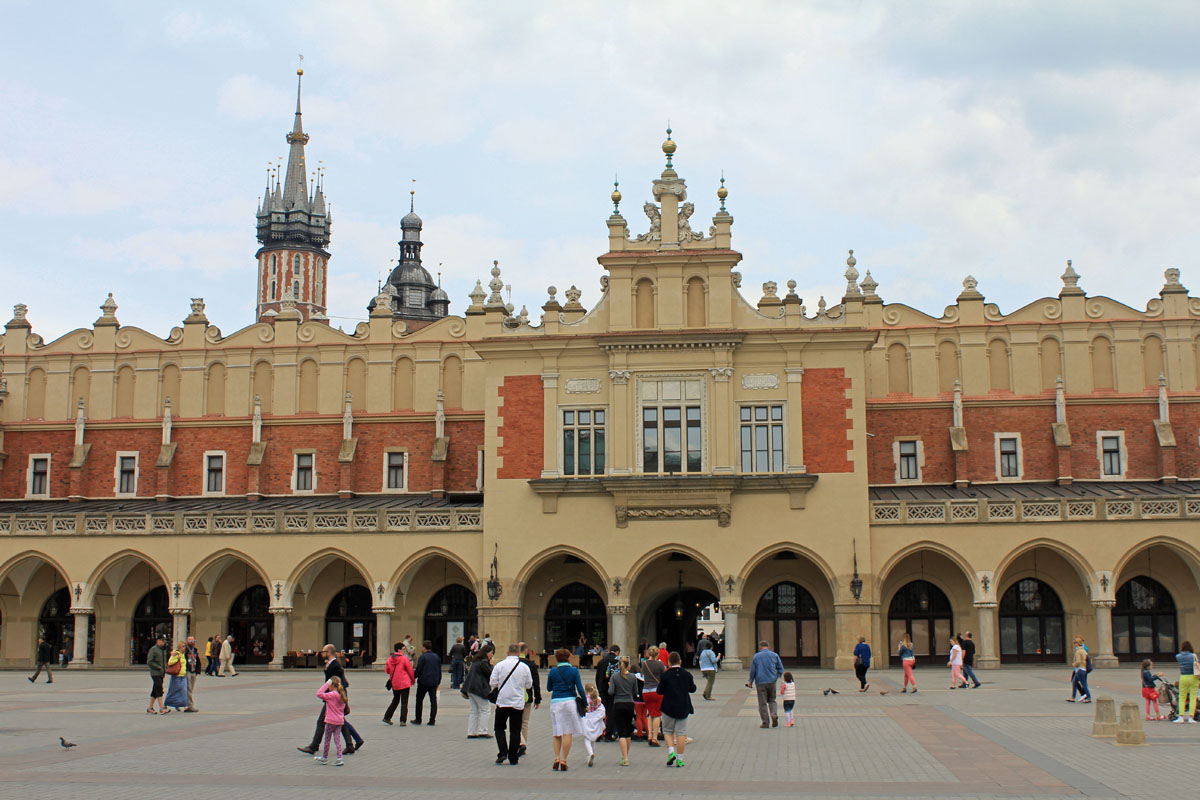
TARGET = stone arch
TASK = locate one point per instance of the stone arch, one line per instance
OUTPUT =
(770, 552)
(884, 572)
(314, 563)
(101, 572)
(169, 386)
(20, 574)
(1103, 376)
(35, 397)
(356, 383)
(81, 389)
(548, 573)
(1153, 363)
(897, 369)
(537, 561)
(1050, 354)
(402, 577)
(799, 635)
(125, 383)
(402, 385)
(639, 566)
(696, 300)
(214, 390)
(1188, 553)
(644, 293)
(1070, 555)
(262, 385)
(221, 559)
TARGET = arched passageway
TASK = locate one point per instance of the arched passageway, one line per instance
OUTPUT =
(787, 618)
(1145, 622)
(1032, 629)
(350, 623)
(151, 619)
(251, 625)
(923, 611)
(575, 615)
(450, 613)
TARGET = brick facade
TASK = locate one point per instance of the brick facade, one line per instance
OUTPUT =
(826, 420)
(521, 427)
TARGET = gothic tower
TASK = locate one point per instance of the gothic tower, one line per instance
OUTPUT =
(293, 226)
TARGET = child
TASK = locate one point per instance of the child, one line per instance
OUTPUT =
(1148, 690)
(956, 659)
(593, 721)
(788, 695)
(337, 706)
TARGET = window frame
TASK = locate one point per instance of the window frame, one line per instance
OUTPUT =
(388, 452)
(204, 490)
(575, 426)
(919, 455)
(29, 493)
(1122, 455)
(769, 423)
(312, 453)
(641, 404)
(1000, 476)
(123, 454)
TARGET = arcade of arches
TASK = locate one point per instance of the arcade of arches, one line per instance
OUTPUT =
(1025, 609)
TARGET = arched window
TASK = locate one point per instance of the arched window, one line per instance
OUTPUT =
(787, 618)
(1031, 624)
(296, 262)
(947, 366)
(452, 382)
(356, 383)
(897, 363)
(308, 386)
(402, 386)
(643, 304)
(214, 402)
(998, 366)
(350, 623)
(1051, 363)
(1152, 360)
(295, 290)
(251, 625)
(573, 610)
(922, 610)
(1144, 621)
(272, 265)
(1102, 363)
(35, 401)
(695, 303)
(125, 380)
(452, 606)
(151, 618)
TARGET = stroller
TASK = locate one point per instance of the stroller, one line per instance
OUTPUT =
(1168, 695)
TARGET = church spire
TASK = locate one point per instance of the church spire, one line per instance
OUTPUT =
(295, 190)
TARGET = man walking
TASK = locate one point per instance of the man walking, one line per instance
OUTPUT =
(156, 662)
(607, 666)
(708, 668)
(968, 647)
(676, 687)
(765, 669)
(333, 667)
(45, 654)
(211, 651)
(533, 700)
(512, 678)
(428, 672)
(192, 654)
(458, 658)
(227, 657)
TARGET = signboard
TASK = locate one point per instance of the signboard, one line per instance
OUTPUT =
(453, 631)
(358, 630)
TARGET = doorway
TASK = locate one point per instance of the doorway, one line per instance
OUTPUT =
(1031, 624)
(252, 627)
(449, 614)
(922, 610)
(350, 623)
(151, 619)
(787, 619)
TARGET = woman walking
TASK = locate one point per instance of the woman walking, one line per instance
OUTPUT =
(956, 660)
(1079, 664)
(652, 672)
(476, 688)
(907, 660)
(862, 662)
(623, 687)
(400, 679)
(177, 669)
(1188, 682)
(564, 685)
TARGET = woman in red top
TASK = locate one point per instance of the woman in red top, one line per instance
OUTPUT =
(400, 679)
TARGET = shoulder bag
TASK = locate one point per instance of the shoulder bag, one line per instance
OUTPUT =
(494, 694)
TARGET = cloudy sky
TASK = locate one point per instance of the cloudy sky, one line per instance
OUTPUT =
(936, 139)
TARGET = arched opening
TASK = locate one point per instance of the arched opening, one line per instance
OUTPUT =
(452, 382)
(643, 304)
(923, 611)
(350, 624)
(1031, 624)
(696, 316)
(998, 372)
(1051, 358)
(251, 625)
(897, 364)
(151, 618)
(677, 619)
(214, 399)
(309, 372)
(449, 614)
(671, 591)
(169, 387)
(35, 400)
(125, 381)
(262, 386)
(947, 366)
(356, 383)
(542, 580)
(787, 619)
(1144, 621)
(402, 387)
(575, 613)
(1102, 363)
(56, 624)
(1152, 361)
(81, 389)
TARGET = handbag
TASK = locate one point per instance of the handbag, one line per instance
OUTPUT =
(388, 684)
(173, 669)
(494, 694)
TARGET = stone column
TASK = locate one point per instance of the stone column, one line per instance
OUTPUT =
(618, 615)
(987, 655)
(731, 660)
(1103, 651)
(83, 619)
(179, 628)
(283, 624)
(383, 635)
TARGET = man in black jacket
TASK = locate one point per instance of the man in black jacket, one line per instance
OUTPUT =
(968, 646)
(458, 658)
(333, 667)
(45, 654)
(428, 673)
(530, 702)
(607, 666)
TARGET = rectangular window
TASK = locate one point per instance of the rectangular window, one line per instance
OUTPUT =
(302, 477)
(39, 476)
(672, 426)
(762, 438)
(583, 441)
(1008, 456)
(396, 472)
(1110, 449)
(126, 474)
(909, 468)
(214, 473)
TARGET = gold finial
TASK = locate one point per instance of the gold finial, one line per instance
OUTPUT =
(616, 196)
(668, 147)
(412, 195)
(722, 193)
(300, 69)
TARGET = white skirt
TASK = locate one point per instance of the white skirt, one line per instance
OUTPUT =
(564, 718)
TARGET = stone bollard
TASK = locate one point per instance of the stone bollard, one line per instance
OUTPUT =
(1130, 729)
(1105, 725)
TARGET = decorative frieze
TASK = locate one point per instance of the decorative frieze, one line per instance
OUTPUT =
(760, 380)
(1041, 510)
(582, 385)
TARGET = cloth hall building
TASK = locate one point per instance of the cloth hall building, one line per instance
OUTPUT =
(642, 453)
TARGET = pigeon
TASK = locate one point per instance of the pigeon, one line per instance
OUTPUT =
(65, 743)
(883, 691)
(830, 691)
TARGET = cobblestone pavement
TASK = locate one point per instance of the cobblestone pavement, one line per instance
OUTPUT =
(1013, 738)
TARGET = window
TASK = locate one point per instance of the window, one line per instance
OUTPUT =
(909, 455)
(672, 425)
(214, 473)
(38, 478)
(272, 294)
(127, 473)
(1110, 447)
(762, 438)
(583, 441)
(272, 263)
(395, 467)
(303, 479)
(295, 290)
(1008, 456)
(296, 261)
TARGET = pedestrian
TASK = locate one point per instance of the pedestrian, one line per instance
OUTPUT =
(428, 673)
(43, 656)
(337, 706)
(623, 687)
(227, 657)
(210, 652)
(1149, 691)
(156, 662)
(511, 680)
(533, 697)
(410, 647)
(1188, 682)
(689, 649)
(787, 693)
(652, 672)
(956, 658)
(400, 679)
(605, 669)
(593, 723)
(908, 661)
(564, 685)
(1079, 671)
(177, 671)
(968, 667)
(334, 669)
(862, 662)
(663, 655)
(472, 645)
(708, 668)
(192, 654)
(475, 688)
(458, 659)
(765, 668)
(676, 687)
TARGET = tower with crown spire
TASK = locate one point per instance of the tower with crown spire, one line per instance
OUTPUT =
(413, 294)
(293, 227)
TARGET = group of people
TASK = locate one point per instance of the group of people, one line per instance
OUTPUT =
(219, 654)
(181, 664)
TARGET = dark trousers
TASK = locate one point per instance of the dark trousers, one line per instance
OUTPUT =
(211, 669)
(422, 691)
(1079, 684)
(399, 698)
(860, 671)
(508, 733)
(609, 721)
(456, 674)
(348, 732)
(969, 674)
(49, 675)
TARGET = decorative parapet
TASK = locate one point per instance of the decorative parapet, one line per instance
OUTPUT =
(925, 512)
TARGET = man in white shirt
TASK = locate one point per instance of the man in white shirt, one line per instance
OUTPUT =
(512, 678)
(227, 658)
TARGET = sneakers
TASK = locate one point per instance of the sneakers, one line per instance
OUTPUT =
(1179, 720)
(339, 762)
(321, 759)
(679, 762)
(1191, 720)
(387, 722)
(671, 759)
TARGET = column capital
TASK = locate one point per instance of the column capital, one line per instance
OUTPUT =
(986, 604)
(618, 609)
(77, 610)
(383, 610)
(282, 611)
(179, 612)
(1103, 603)
(730, 608)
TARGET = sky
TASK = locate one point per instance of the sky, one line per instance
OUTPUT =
(936, 139)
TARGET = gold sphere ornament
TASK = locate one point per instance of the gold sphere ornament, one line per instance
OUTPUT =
(616, 196)
(300, 72)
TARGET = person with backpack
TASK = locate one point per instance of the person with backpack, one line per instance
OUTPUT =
(1081, 665)
(605, 669)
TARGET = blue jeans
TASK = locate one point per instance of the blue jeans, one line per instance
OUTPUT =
(969, 674)
(1079, 684)
(456, 674)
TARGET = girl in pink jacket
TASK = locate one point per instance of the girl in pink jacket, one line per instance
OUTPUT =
(337, 706)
